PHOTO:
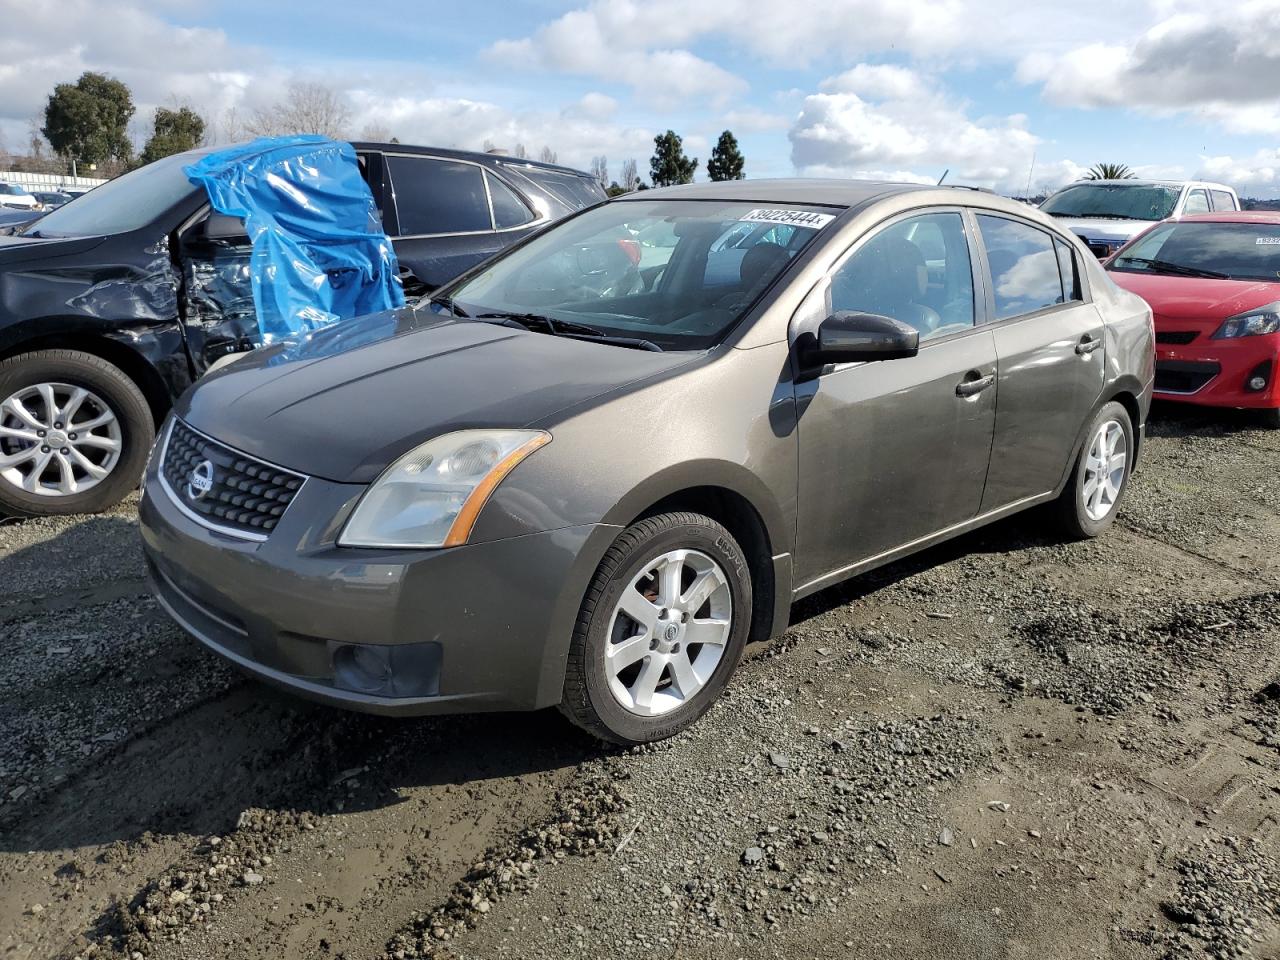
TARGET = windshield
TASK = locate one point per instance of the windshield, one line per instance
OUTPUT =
(120, 205)
(1238, 251)
(601, 269)
(1114, 200)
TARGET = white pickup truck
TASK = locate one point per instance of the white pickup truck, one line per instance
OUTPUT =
(1106, 214)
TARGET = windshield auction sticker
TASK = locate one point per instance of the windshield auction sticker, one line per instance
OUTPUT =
(1266, 241)
(795, 218)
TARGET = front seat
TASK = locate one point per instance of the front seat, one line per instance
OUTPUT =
(760, 264)
(888, 277)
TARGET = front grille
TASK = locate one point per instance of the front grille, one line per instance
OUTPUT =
(1175, 336)
(1183, 376)
(244, 495)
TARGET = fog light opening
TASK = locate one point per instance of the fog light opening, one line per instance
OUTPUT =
(360, 667)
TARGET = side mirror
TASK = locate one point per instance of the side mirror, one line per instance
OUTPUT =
(849, 337)
(219, 226)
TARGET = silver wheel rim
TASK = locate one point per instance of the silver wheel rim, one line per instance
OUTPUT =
(57, 440)
(668, 632)
(1104, 470)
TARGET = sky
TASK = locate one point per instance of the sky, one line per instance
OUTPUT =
(1005, 94)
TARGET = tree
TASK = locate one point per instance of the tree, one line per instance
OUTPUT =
(547, 155)
(520, 153)
(375, 132)
(88, 121)
(726, 159)
(630, 179)
(600, 170)
(306, 108)
(1110, 171)
(669, 165)
(613, 190)
(175, 131)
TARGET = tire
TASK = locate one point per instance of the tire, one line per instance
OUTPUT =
(593, 694)
(116, 448)
(1082, 518)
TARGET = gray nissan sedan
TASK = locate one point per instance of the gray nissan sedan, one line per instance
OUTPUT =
(589, 471)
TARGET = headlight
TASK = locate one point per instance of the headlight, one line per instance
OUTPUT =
(432, 495)
(1253, 323)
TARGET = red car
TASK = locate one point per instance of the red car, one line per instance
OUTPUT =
(1213, 283)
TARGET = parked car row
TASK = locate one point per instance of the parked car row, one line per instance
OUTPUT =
(114, 304)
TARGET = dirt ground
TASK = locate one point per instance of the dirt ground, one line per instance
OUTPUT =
(1006, 747)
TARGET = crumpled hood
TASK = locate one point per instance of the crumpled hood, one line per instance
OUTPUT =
(351, 398)
(1096, 228)
(1194, 298)
(21, 249)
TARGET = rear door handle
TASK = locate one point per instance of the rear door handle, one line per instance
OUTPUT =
(1087, 345)
(972, 387)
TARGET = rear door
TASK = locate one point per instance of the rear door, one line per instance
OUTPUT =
(446, 215)
(1050, 350)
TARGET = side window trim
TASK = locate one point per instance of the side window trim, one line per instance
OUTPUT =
(988, 281)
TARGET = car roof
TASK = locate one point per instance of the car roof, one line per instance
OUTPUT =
(819, 192)
(1235, 216)
(445, 152)
(1135, 182)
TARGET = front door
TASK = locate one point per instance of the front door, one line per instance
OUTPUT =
(894, 451)
(1050, 348)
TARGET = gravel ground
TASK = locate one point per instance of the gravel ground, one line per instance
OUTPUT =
(1004, 747)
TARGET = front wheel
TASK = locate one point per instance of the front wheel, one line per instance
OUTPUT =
(660, 631)
(1088, 503)
(74, 433)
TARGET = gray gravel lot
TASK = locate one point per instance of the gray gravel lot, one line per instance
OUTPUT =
(1005, 747)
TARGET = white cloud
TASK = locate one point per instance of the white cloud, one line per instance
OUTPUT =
(755, 121)
(1257, 175)
(896, 124)
(1222, 66)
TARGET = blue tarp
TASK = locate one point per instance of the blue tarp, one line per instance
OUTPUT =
(319, 253)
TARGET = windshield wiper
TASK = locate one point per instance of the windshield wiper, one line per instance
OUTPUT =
(448, 304)
(1164, 266)
(567, 328)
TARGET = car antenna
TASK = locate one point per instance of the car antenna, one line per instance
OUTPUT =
(944, 176)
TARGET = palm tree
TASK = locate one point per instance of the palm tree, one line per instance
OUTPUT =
(1110, 171)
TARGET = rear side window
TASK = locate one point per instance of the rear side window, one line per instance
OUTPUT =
(438, 196)
(1025, 271)
(1197, 202)
(1223, 200)
(508, 209)
(1067, 268)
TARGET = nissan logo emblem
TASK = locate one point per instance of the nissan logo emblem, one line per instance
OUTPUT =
(201, 480)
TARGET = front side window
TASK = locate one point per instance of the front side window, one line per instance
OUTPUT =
(677, 273)
(438, 196)
(1114, 201)
(1025, 276)
(1235, 251)
(917, 271)
(1197, 202)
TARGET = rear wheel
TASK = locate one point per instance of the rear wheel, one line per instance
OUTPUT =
(660, 631)
(74, 433)
(1088, 503)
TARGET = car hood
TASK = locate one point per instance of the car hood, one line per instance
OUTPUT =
(349, 399)
(1096, 228)
(15, 249)
(1191, 298)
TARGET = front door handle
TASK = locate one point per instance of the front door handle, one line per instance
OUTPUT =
(972, 387)
(1087, 345)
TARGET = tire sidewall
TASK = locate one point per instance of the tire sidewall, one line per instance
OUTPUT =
(137, 428)
(716, 543)
(1109, 411)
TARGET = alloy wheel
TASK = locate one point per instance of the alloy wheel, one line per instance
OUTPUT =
(57, 439)
(1104, 470)
(668, 632)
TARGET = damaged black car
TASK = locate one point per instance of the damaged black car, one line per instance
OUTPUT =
(112, 305)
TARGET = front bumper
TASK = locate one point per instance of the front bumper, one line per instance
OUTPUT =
(1217, 372)
(480, 627)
